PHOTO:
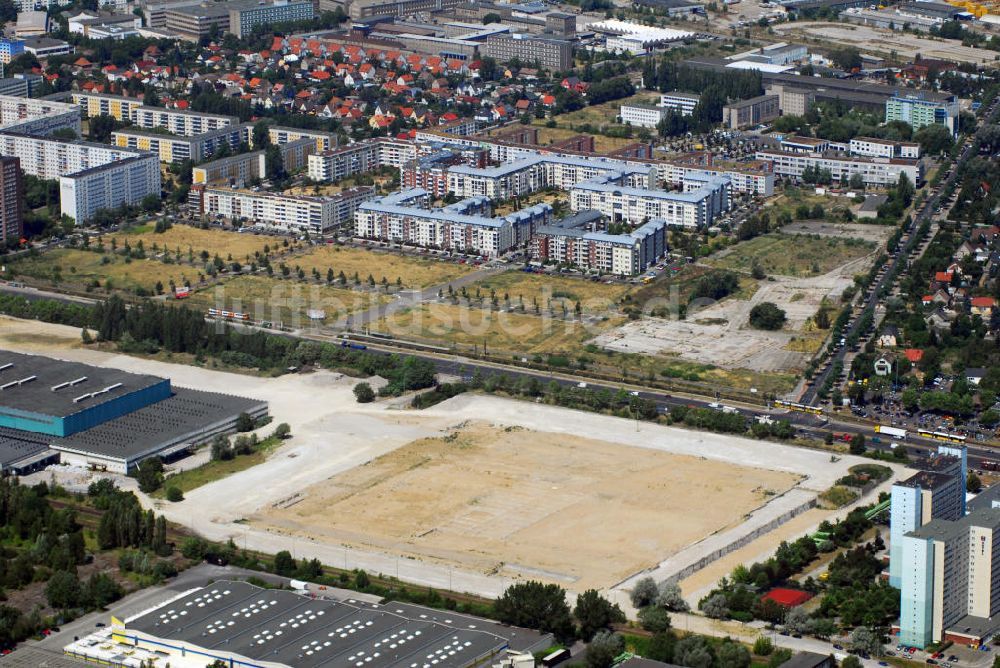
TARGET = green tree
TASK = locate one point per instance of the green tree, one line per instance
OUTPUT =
(693, 652)
(284, 564)
(150, 474)
(767, 315)
(536, 606)
(282, 431)
(644, 592)
(858, 444)
(244, 423)
(364, 393)
(732, 655)
(973, 484)
(603, 649)
(594, 612)
(763, 646)
(654, 619)
(174, 494)
(63, 590)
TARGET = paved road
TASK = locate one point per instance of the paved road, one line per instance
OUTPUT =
(907, 245)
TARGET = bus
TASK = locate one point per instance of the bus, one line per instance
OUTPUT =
(941, 436)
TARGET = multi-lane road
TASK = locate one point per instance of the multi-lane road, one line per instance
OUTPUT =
(907, 244)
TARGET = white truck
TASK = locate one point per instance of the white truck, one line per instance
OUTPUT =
(894, 432)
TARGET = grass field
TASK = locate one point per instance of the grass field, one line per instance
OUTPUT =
(78, 269)
(594, 297)
(798, 255)
(499, 331)
(412, 271)
(195, 239)
(285, 301)
(215, 470)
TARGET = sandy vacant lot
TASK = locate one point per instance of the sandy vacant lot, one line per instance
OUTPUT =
(879, 39)
(513, 500)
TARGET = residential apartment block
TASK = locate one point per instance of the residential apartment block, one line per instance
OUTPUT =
(325, 141)
(919, 110)
(238, 170)
(951, 581)
(10, 49)
(695, 208)
(171, 148)
(360, 157)
(36, 116)
(466, 226)
(109, 186)
(11, 201)
(746, 113)
(300, 213)
(118, 107)
(936, 492)
(873, 171)
(553, 54)
(580, 241)
(180, 121)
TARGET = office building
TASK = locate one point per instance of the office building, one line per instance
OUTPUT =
(936, 492)
(399, 8)
(180, 121)
(44, 47)
(873, 171)
(244, 17)
(298, 213)
(11, 201)
(561, 23)
(754, 111)
(682, 103)
(201, 20)
(154, 12)
(10, 49)
(549, 53)
(642, 115)
(919, 110)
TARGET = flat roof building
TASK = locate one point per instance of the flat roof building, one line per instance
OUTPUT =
(240, 624)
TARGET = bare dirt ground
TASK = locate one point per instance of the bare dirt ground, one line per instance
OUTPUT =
(513, 500)
(719, 333)
(869, 38)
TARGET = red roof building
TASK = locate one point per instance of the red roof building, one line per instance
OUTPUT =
(787, 597)
(914, 354)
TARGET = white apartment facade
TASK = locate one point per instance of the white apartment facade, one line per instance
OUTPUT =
(682, 103)
(360, 157)
(873, 171)
(695, 208)
(109, 186)
(181, 122)
(301, 213)
(642, 115)
(884, 148)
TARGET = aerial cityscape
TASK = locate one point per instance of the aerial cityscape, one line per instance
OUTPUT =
(500, 333)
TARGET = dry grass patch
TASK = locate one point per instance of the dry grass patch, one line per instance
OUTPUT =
(284, 301)
(594, 296)
(189, 238)
(498, 330)
(797, 255)
(77, 270)
(414, 272)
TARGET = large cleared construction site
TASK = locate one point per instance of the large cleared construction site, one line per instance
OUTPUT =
(510, 501)
(479, 491)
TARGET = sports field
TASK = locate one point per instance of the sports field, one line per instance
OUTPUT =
(504, 331)
(284, 301)
(510, 501)
(413, 272)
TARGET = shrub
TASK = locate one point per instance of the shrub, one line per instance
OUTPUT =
(174, 494)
